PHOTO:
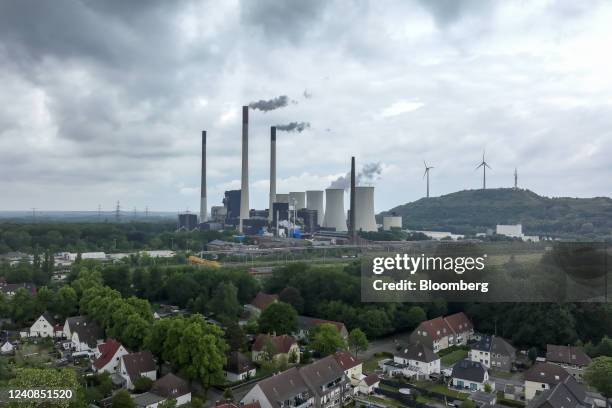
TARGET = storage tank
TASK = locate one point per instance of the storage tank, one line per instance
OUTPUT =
(334, 209)
(392, 221)
(364, 211)
(314, 201)
(297, 199)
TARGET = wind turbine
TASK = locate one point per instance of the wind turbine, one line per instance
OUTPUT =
(427, 174)
(515, 178)
(484, 166)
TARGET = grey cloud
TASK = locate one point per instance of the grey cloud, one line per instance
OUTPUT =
(281, 20)
(293, 127)
(447, 12)
(270, 104)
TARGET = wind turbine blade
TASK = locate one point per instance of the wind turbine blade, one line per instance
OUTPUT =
(479, 166)
(488, 166)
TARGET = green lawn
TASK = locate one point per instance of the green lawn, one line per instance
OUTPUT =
(453, 357)
(372, 364)
(442, 389)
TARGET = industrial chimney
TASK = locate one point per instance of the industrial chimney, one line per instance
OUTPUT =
(314, 201)
(244, 187)
(272, 172)
(353, 231)
(203, 206)
(334, 209)
(364, 213)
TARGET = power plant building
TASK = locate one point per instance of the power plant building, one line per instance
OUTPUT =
(282, 198)
(231, 202)
(297, 199)
(364, 212)
(314, 201)
(392, 221)
(334, 210)
(187, 222)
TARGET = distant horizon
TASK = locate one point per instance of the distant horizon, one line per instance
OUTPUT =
(141, 213)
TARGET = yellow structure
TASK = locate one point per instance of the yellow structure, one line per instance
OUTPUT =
(195, 260)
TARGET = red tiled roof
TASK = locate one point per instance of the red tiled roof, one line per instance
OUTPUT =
(263, 300)
(282, 344)
(459, 322)
(435, 328)
(346, 360)
(546, 373)
(107, 350)
(371, 379)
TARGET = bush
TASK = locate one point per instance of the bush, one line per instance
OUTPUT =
(142, 384)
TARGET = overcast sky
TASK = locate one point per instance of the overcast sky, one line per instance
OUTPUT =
(104, 100)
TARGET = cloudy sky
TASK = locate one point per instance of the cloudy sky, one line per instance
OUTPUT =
(104, 100)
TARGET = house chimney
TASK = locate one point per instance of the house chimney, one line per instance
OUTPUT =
(244, 187)
(203, 206)
(272, 172)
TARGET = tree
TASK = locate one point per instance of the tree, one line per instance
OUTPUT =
(598, 375)
(48, 378)
(488, 388)
(228, 394)
(235, 337)
(142, 384)
(122, 399)
(292, 296)
(279, 318)
(23, 306)
(326, 339)
(357, 341)
(224, 302)
(169, 403)
(415, 316)
(201, 351)
(532, 354)
(65, 302)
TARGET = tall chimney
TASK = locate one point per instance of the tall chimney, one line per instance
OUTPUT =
(244, 187)
(272, 172)
(353, 231)
(203, 206)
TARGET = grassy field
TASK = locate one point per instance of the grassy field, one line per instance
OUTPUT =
(442, 389)
(453, 357)
(33, 354)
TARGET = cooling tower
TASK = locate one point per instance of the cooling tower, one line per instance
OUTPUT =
(203, 205)
(244, 186)
(392, 221)
(297, 199)
(272, 172)
(314, 201)
(364, 213)
(334, 209)
(282, 198)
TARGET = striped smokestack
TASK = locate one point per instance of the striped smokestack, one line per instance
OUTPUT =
(272, 172)
(353, 231)
(244, 187)
(203, 205)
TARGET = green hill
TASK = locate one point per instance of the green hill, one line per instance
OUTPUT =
(472, 211)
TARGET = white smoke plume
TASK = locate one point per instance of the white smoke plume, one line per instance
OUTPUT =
(369, 173)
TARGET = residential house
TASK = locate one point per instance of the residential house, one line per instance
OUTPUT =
(541, 377)
(172, 387)
(84, 335)
(107, 356)
(285, 390)
(7, 348)
(415, 360)
(147, 400)
(135, 365)
(573, 359)
(322, 384)
(368, 383)
(462, 328)
(9, 289)
(306, 324)
(280, 346)
(484, 399)
(443, 332)
(44, 326)
(494, 352)
(565, 394)
(232, 404)
(352, 366)
(470, 375)
(260, 303)
(238, 367)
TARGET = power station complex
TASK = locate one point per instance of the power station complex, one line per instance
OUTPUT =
(294, 214)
